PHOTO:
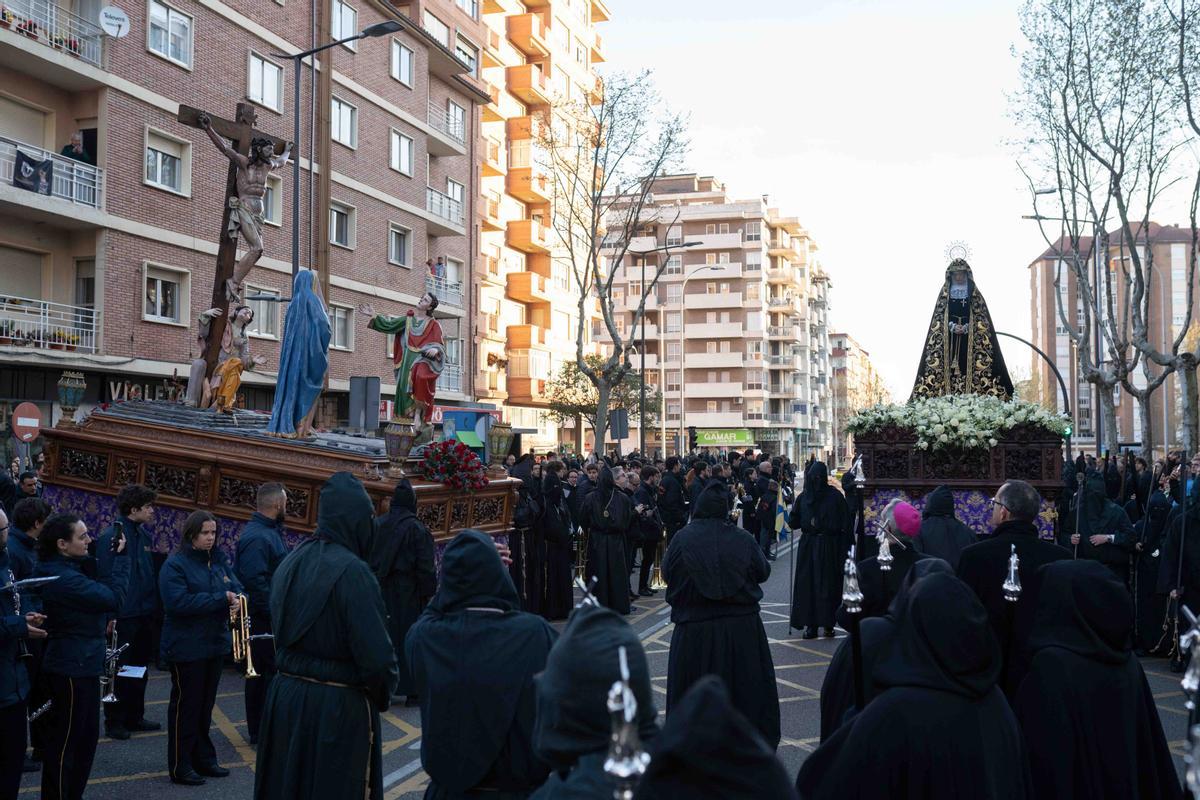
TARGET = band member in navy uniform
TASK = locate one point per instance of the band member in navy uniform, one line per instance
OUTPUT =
(29, 515)
(78, 608)
(198, 593)
(14, 681)
(135, 620)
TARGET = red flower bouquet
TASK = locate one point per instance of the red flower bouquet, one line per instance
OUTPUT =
(454, 464)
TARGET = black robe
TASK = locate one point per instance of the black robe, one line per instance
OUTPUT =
(555, 526)
(473, 655)
(1151, 603)
(837, 688)
(320, 737)
(942, 535)
(403, 561)
(1098, 515)
(533, 542)
(820, 516)
(1183, 536)
(856, 531)
(940, 729)
(1086, 710)
(879, 587)
(713, 570)
(709, 751)
(573, 722)
(607, 516)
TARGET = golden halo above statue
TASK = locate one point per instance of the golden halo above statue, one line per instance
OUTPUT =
(957, 250)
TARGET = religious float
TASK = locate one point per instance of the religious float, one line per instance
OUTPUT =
(960, 428)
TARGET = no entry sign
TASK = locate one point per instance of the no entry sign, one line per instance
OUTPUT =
(27, 422)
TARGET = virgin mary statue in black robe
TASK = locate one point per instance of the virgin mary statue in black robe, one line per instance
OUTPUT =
(961, 355)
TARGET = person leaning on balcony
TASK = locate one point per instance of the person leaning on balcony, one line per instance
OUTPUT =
(75, 150)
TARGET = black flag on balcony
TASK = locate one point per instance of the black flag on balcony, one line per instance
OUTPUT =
(32, 175)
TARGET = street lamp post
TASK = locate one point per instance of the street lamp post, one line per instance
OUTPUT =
(683, 352)
(1061, 383)
(378, 29)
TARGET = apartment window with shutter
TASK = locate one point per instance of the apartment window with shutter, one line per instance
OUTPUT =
(399, 245)
(401, 153)
(170, 34)
(343, 122)
(265, 80)
(402, 63)
(344, 23)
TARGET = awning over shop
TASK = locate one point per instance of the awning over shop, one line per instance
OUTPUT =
(469, 438)
(724, 437)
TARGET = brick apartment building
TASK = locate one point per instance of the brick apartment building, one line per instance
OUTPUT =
(746, 306)
(1167, 289)
(108, 273)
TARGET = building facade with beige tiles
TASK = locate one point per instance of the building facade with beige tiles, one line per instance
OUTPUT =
(736, 328)
(856, 385)
(108, 271)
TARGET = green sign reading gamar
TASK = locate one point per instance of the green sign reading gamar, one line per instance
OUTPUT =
(724, 437)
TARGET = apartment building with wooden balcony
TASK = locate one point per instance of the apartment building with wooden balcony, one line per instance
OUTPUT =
(107, 270)
(535, 54)
(736, 332)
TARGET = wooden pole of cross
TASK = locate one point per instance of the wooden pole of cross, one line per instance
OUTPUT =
(240, 132)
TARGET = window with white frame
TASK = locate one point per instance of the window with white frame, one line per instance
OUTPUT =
(166, 294)
(673, 406)
(168, 162)
(341, 324)
(437, 29)
(170, 33)
(723, 227)
(467, 53)
(580, 52)
(753, 231)
(343, 121)
(454, 190)
(341, 224)
(754, 379)
(401, 153)
(710, 228)
(674, 293)
(674, 266)
(471, 7)
(399, 245)
(273, 201)
(753, 260)
(710, 347)
(712, 406)
(722, 258)
(456, 120)
(675, 235)
(266, 313)
(265, 81)
(402, 63)
(674, 321)
(752, 290)
(345, 22)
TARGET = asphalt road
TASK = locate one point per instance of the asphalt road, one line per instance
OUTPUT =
(137, 768)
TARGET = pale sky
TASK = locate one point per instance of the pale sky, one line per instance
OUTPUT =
(882, 124)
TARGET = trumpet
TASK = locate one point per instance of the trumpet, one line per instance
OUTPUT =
(580, 540)
(112, 665)
(239, 626)
(656, 577)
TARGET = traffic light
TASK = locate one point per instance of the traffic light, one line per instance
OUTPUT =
(691, 438)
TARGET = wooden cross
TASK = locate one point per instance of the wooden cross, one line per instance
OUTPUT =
(240, 133)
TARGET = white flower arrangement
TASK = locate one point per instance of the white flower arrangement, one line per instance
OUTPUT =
(965, 422)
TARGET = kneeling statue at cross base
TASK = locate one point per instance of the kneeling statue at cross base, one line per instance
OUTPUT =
(418, 356)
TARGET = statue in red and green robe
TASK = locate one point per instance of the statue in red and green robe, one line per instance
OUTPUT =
(418, 356)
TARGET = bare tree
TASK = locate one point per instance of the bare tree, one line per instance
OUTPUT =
(602, 157)
(1096, 99)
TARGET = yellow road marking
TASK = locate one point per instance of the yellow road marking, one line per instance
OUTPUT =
(230, 732)
(137, 776)
(415, 783)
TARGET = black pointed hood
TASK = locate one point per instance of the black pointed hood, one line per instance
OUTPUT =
(713, 503)
(943, 641)
(346, 516)
(939, 503)
(388, 538)
(1084, 608)
(473, 576)
(920, 569)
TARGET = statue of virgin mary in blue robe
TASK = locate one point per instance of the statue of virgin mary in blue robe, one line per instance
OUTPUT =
(303, 359)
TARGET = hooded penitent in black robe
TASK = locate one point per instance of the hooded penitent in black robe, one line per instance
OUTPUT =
(864, 546)
(607, 516)
(713, 569)
(961, 363)
(940, 729)
(942, 535)
(1151, 604)
(879, 587)
(532, 542)
(555, 527)
(320, 736)
(837, 688)
(820, 517)
(1099, 515)
(473, 654)
(573, 723)
(403, 562)
(709, 751)
(1086, 710)
(1183, 535)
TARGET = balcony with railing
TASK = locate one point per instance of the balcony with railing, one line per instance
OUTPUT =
(73, 181)
(43, 325)
(448, 292)
(54, 27)
(781, 331)
(493, 158)
(447, 213)
(452, 127)
(528, 34)
(528, 236)
(528, 84)
(450, 379)
(527, 287)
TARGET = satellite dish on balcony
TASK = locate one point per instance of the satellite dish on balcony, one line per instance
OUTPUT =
(114, 22)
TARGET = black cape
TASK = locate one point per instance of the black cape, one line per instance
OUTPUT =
(1087, 712)
(608, 516)
(559, 570)
(709, 751)
(1097, 514)
(319, 740)
(403, 562)
(1151, 606)
(532, 542)
(821, 517)
(837, 688)
(713, 570)
(940, 729)
(573, 723)
(942, 535)
(473, 655)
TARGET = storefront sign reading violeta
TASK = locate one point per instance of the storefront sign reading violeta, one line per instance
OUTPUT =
(729, 437)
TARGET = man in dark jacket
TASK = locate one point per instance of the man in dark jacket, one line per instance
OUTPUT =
(765, 495)
(984, 567)
(26, 524)
(1100, 530)
(673, 501)
(260, 550)
(403, 561)
(942, 535)
(650, 523)
(135, 620)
